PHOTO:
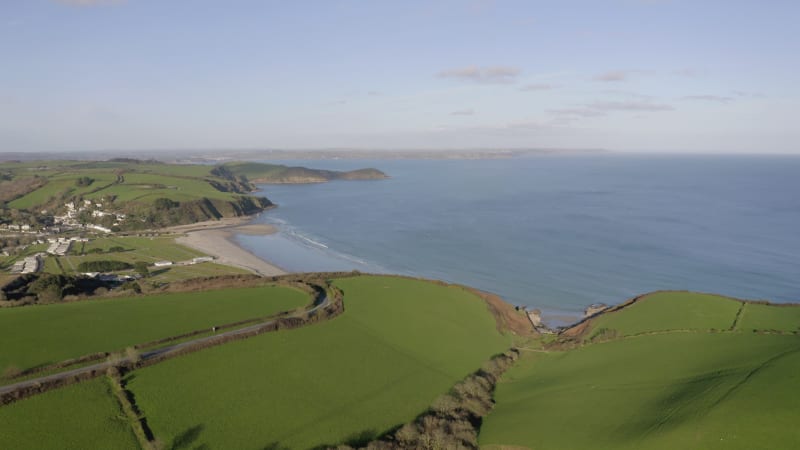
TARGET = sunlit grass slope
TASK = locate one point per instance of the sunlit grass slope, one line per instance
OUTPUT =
(687, 388)
(79, 417)
(399, 344)
(672, 311)
(37, 335)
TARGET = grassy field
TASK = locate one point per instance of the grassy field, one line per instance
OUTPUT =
(141, 183)
(672, 311)
(681, 389)
(765, 317)
(146, 187)
(399, 345)
(60, 184)
(76, 417)
(137, 249)
(37, 335)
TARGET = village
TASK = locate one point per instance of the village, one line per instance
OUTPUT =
(18, 242)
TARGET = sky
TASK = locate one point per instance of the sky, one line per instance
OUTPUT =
(628, 75)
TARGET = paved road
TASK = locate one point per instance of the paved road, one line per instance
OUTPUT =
(149, 354)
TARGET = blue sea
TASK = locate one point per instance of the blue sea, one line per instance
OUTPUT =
(553, 232)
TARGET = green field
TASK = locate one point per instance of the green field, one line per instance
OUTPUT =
(765, 317)
(399, 344)
(36, 335)
(136, 249)
(663, 311)
(79, 417)
(689, 388)
(131, 188)
(146, 249)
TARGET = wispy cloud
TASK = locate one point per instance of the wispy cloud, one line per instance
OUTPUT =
(613, 76)
(708, 98)
(89, 2)
(630, 106)
(373, 93)
(463, 112)
(688, 73)
(493, 74)
(579, 112)
(537, 87)
(603, 108)
(748, 94)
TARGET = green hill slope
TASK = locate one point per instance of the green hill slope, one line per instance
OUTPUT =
(399, 344)
(280, 174)
(670, 371)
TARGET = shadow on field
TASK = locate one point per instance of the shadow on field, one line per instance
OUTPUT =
(275, 446)
(187, 438)
(356, 440)
(688, 400)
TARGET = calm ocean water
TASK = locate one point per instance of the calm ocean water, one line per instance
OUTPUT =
(554, 232)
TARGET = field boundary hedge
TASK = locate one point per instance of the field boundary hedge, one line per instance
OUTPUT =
(313, 315)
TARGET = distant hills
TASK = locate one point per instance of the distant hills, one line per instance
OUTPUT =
(280, 174)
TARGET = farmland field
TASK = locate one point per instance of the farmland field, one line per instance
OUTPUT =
(765, 317)
(399, 344)
(691, 388)
(80, 416)
(672, 311)
(36, 335)
(135, 249)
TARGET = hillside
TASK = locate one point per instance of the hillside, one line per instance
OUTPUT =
(280, 174)
(398, 345)
(130, 194)
(122, 193)
(670, 370)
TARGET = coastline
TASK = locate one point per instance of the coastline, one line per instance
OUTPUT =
(215, 238)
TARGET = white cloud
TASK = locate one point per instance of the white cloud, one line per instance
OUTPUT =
(613, 76)
(708, 98)
(629, 106)
(463, 112)
(493, 74)
(537, 87)
(579, 112)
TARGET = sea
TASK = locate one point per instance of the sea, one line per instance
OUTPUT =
(554, 232)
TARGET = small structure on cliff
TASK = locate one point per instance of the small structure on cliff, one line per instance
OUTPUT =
(594, 308)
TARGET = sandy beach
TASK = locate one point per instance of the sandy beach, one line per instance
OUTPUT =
(215, 238)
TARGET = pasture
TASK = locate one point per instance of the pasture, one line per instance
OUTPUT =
(399, 344)
(78, 417)
(768, 317)
(662, 311)
(700, 385)
(45, 334)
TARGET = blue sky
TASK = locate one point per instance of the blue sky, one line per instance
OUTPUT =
(631, 75)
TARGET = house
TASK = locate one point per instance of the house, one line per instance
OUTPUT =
(202, 259)
(162, 263)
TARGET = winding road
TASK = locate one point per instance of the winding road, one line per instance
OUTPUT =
(160, 352)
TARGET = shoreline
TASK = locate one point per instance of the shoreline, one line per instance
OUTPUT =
(215, 238)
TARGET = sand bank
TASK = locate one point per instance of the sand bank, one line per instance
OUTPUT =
(215, 239)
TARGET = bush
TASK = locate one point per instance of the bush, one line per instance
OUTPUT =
(84, 181)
